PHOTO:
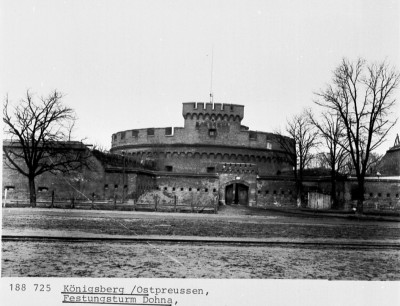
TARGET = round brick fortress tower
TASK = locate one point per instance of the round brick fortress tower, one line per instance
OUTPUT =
(212, 141)
(212, 135)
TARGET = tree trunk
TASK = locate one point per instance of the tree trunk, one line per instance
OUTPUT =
(32, 191)
(300, 194)
(333, 190)
(360, 195)
(299, 199)
(299, 191)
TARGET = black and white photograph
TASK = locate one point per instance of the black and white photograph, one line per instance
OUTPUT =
(200, 152)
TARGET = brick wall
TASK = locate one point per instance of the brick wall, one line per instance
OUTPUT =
(78, 184)
(190, 191)
(222, 110)
(212, 134)
(226, 133)
(276, 193)
(238, 173)
(190, 159)
(223, 119)
(380, 194)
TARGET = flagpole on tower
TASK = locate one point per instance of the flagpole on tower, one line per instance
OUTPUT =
(211, 82)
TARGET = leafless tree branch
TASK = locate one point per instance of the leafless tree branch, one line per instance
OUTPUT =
(361, 95)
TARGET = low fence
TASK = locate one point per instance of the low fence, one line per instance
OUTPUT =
(375, 205)
(131, 205)
(71, 204)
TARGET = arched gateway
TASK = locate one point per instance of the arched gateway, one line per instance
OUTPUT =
(237, 194)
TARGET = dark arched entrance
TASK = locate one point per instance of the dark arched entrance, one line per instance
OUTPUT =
(236, 193)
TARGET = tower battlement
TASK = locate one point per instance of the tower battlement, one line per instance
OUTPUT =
(212, 109)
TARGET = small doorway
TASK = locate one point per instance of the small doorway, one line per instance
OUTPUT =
(236, 194)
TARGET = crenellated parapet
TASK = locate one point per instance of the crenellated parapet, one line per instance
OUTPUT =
(213, 111)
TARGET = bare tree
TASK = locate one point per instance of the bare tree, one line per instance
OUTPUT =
(321, 160)
(374, 163)
(39, 138)
(362, 96)
(297, 142)
(332, 131)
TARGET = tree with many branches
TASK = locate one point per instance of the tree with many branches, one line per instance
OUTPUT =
(298, 141)
(361, 94)
(39, 138)
(332, 132)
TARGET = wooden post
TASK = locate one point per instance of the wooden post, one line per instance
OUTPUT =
(215, 206)
(92, 201)
(155, 203)
(174, 203)
(52, 199)
(115, 201)
(5, 196)
(73, 202)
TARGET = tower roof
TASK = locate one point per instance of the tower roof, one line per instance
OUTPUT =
(396, 145)
(390, 164)
(397, 141)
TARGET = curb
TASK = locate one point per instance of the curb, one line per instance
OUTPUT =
(212, 240)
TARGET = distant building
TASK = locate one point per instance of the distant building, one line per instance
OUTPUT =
(390, 163)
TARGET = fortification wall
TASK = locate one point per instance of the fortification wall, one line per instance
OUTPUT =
(199, 159)
(190, 192)
(379, 195)
(224, 134)
(74, 184)
(238, 173)
(276, 193)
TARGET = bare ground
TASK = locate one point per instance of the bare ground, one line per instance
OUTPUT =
(201, 225)
(174, 260)
(52, 259)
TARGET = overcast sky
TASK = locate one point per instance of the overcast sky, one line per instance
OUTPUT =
(130, 64)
